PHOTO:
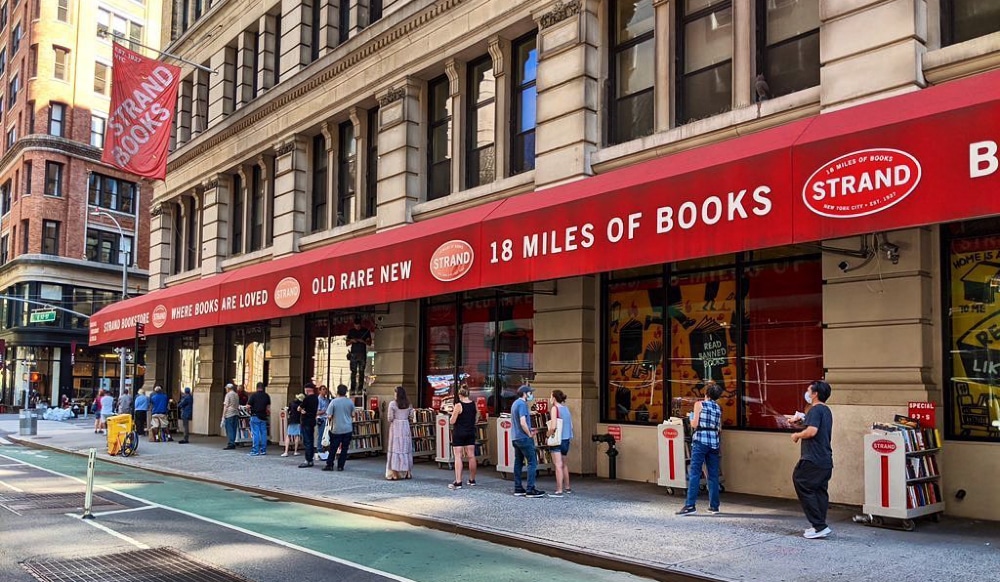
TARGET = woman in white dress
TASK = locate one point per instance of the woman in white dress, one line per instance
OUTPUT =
(399, 460)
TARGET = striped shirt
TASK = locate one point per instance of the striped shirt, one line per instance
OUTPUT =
(709, 425)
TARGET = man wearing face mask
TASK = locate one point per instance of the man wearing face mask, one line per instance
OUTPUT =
(523, 438)
(815, 467)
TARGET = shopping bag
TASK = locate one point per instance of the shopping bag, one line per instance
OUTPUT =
(326, 438)
(554, 432)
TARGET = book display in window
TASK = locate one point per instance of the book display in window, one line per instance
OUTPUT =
(902, 477)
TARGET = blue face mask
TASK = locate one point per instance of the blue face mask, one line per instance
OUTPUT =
(531, 396)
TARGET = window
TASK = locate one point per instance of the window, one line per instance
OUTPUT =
(135, 36)
(175, 263)
(371, 171)
(31, 117)
(256, 209)
(57, 119)
(753, 326)
(61, 63)
(27, 178)
(53, 178)
(98, 125)
(62, 10)
(190, 228)
(962, 20)
(13, 87)
(3, 15)
(36, 10)
(315, 29)
(3, 60)
(15, 38)
(345, 21)
(320, 190)
(11, 137)
(50, 237)
(439, 139)
(525, 95)
(276, 57)
(5, 201)
(33, 61)
(236, 244)
(972, 401)
(112, 193)
(4, 249)
(101, 84)
(24, 236)
(347, 172)
(480, 165)
(106, 247)
(705, 49)
(632, 70)
(374, 11)
(790, 37)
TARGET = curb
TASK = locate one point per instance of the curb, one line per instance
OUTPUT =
(535, 545)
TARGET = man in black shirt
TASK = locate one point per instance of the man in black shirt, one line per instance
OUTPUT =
(307, 422)
(815, 467)
(260, 407)
(358, 340)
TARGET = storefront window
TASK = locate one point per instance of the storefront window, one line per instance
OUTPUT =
(248, 356)
(329, 363)
(635, 351)
(972, 405)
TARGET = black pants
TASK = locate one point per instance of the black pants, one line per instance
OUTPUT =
(140, 421)
(343, 442)
(358, 364)
(308, 431)
(810, 485)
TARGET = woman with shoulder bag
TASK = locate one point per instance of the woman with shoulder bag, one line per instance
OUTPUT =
(560, 435)
(463, 439)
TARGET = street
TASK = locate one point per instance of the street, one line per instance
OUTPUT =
(207, 532)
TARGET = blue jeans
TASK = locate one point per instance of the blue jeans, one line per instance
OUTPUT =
(258, 430)
(702, 455)
(525, 448)
(343, 441)
(231, 425)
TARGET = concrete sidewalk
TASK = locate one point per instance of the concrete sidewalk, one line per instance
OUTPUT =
(755, 538)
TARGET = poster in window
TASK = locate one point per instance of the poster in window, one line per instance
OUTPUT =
(975, 337)
(636, 345)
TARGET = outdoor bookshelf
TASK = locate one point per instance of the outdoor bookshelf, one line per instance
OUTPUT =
(422, 431)
(445, 455)
(367, 438)
(902, 476)
(505, 447)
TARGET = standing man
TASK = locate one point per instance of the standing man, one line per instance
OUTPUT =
(815, 467)
(338, 416)
(230, 415)
(523, 437)
(141, 408)
(159, 427)
(260, 408)
(358, 340)
(186, 410)
(125, 403)
(307, 409)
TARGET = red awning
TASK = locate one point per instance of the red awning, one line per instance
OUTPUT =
(925, 157)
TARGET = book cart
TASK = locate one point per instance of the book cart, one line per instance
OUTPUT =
(243, 435)
(445, 456)
(902, 479)
(367, 437)
(422, 430)
(505, 446)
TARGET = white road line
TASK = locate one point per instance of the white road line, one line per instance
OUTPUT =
(130, 510)
(236, 528)
(112, 532)
(9, 486)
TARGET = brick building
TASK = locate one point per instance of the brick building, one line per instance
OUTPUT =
(619, 199)
(55, 81)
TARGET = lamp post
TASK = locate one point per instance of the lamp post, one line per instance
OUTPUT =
(125, 260)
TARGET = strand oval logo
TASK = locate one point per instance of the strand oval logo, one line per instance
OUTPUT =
(884, 446)
(670, 433)
(861, 183)
(159, 316)
(287, 292)
(452, 260)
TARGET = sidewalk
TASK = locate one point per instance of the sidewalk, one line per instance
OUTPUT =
(755, 538)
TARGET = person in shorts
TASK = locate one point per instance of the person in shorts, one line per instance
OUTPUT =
(159, 426)
(294, 431)
(463, 438)
(558, 409)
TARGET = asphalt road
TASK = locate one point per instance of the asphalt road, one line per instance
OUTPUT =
(253, 536)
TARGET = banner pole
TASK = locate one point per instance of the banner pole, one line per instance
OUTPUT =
(106, 33)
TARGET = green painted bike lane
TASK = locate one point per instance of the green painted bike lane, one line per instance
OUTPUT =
(413, 552)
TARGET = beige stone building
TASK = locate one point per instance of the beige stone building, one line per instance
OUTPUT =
(619, 199)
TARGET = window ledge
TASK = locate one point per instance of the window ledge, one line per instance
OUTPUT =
(319, 238)
(517, 184)
(735, 123)
(247, 259)
(962, 59)
(185, 277)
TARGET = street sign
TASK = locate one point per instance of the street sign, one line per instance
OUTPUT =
(46, 316)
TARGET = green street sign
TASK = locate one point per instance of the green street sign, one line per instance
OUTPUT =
(43, 316)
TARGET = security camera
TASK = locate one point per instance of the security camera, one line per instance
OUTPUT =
(844, 266)
(891, 252)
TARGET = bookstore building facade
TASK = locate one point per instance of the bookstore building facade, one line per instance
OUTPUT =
(763, 247)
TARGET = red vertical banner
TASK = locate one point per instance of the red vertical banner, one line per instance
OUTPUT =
(143, 103)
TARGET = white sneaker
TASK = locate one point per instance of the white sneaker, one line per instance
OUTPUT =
(812, 535)
(284, 454)
(809, 531)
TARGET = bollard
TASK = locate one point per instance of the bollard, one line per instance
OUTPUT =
(612, 453)
(88, 499)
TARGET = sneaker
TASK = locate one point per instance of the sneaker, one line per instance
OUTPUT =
(809, 531)
(714, 510)
(456, 485)
(472, 483)
(228, 447)
(556, 494)
(340, 468)
(253, 454)
(567, 490)
(534, 494)
(519, 493)
(687, 510)
(284, 454)
(812, 535)
(305, 465)
(328, 468)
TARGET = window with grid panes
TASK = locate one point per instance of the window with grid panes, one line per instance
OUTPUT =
(788, 31)
(50, 237)
(61, 63)
(525, 97)
(480, 164)
(53, 178)
(705, 49)
(439, 138)
(632, 69)
(963, 20)
(57, 119)
(320, 191)
(347, 168)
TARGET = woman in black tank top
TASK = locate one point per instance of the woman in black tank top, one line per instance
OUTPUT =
(463, 438)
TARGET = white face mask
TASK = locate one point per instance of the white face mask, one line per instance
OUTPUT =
(809, 397)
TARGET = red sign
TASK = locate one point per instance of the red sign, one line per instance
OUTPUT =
(373, 403)
(541, 406)
(861, 183)
(481, 405)
(436, 402)
(287, 292)
(143, 100)
(442, 422)
(883, 446)
(452, 260)
(670, 433)
(159, 316)
(923, 412)
(615, 431)
(505, 424)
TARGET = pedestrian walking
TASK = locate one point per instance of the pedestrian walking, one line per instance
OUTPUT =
(399, 457)
(230, 415)
(293, 431)
(307, 420)
(341, 427)
(185, 409)
(559, 410)
(125, 403)
(523, 439)
(260, 408)
(107, 410)
(159, 426)
(706, 422)
(97, 411)
(463, 437)
(141, 409)
(811, 476)
(324, 403)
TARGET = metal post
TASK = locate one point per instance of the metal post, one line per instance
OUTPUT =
(124, 258)
(88, 499)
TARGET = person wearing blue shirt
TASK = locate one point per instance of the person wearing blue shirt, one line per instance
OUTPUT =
(186, 410)
(141, 408)
(523, 439)
(159, 404)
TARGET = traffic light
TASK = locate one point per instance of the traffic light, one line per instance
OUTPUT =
(140, 330)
